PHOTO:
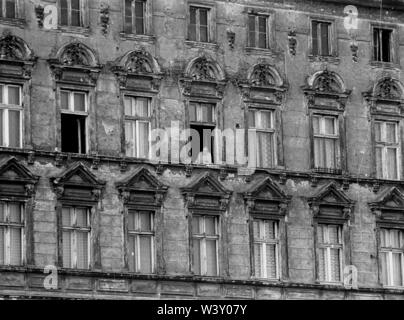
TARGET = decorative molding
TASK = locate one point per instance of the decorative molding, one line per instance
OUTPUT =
(389, 207)
(231, 38)
(40, 15)
(292, 41)
(104, 17)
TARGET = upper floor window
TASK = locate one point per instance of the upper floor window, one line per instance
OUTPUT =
(392, 257)
(8, 9)
(266, 249)
(205, 243)
(71, 13)
(11, 113)
(138, 126)
(76, 228)
(382, 45)
(141, 242)
(135, 16)
(330, 250)
(74, 121)
(258, 31)
(263, 143)
(321, 38)
(387, 150)
(198, 29)
(326, 142)
(12, 223)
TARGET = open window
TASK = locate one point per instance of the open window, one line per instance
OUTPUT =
(382, 45)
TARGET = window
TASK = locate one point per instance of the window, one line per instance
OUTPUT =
(382, 45)
(74, 119)
(262, 144)
(387, 150)
(205, 238)
(135, 16)
(11, 233)
(76, 237)
(330, 247)
(198, 29)
(10, 116)
(203, 123)
(258, 31)
(141, 239)
(321, 37)
(8, 9)
(326, 142)
(392, 257)
(71, 13)
(266, 249)
(137, 127)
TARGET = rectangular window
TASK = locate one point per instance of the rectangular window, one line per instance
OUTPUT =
(74, 121)
(321, 37)
(71, 13)
(11, 112)
(141, 242)
(326, 143)
(382, 45)
(392, 257)
(387, 142)
(135, 16)
(76, 229)
(11, 233)
(205, 238)
(202, 123)
(198, 29)
(258, 31)
(330, 245)
(138, 127)
(262, 144)
(266, 249)
(8, 9)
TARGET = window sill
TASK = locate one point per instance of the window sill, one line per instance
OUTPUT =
(18, 22)
(202, 45)
(384, 65)
(138, 37)
(330, 59)
(330, 171)
(259, 51)
(85, 31)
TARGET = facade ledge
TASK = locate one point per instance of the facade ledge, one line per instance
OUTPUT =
(385, 65)
(83, 31)
(202, 45)
(329, 59)
(20, 23)
(151, 39)
(260, 52)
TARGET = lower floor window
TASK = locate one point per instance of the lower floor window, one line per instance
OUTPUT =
(141, 242)
(205, 242)
(266, 249)
(392, 257)
(76, 237)
(74, 133)
(11, 233)
(330, 246)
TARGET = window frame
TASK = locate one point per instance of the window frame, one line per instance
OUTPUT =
(84, 16)
(257, 32)
(394, 56)
(332, 34)
(210, 6)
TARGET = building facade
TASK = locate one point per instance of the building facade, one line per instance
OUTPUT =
(101, 195)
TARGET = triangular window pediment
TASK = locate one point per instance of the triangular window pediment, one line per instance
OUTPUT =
(391, 198)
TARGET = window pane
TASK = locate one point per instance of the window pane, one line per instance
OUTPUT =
(75, 13)
(82, 250)
(15, 246)
(192, 112)
(377, 44)
(258, 259)
(82, 218)
(379, 162)
(196, 229)
(397, 270)
(384, 238)
(64, 12)
(386, 36)
(251, 29)
(271, 261)
(67, 217)
(130, 138)
(128, 16)
(319, 159)
(395, 239)
(67, 249)
(251, 119)
(262, 38)
(331, 153)
(2, 142)
(207, 112)
(79, 102)
(14, 129)
(146, 254)
(2, 212)
(384, 268)
(315, 37)
(142, 107)
(1, 89)
(210, 226)
(11, 9)
(333, 235)
(321, 234)
(14, 95)
(204, 34)
(196, 257)
(211, 256)
(64, 100)
(265, 150)
(316, 125)
(322, 264)
(2, 244)
(391, 134)
(144, 137)
(203, 17)
(139, 12)
(132, 253)
(15, 212)
(392, 163)
(378, 131)
(131, 221)
(192, 26)
(146, 221)
(335, 265)
(325, 50)
(330, 126)
(266, 120)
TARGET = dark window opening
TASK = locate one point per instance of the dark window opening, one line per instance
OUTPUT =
(321, 38)
(71, 13)
(74, 134)
(202, 144)
(257, 31)
(382, 45)
(8, 9)
(198, 29)
(135, 16)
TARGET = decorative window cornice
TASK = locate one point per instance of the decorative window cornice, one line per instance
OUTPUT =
(142, 188)
(389, 207)
(78, 183)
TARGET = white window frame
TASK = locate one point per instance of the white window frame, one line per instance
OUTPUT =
(259, 128)
(385, 146)
(7, 225)
(267, 30)
(203, 237)
(323, 136)
(73, 230)
(263, 246)
(136, 120)
(390, 251)
(5, 107)
(327, 256)
(137, 233)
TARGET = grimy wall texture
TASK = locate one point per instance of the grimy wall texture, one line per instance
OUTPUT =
(287, 77)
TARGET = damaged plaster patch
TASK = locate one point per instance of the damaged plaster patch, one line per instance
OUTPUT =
(109, 129)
